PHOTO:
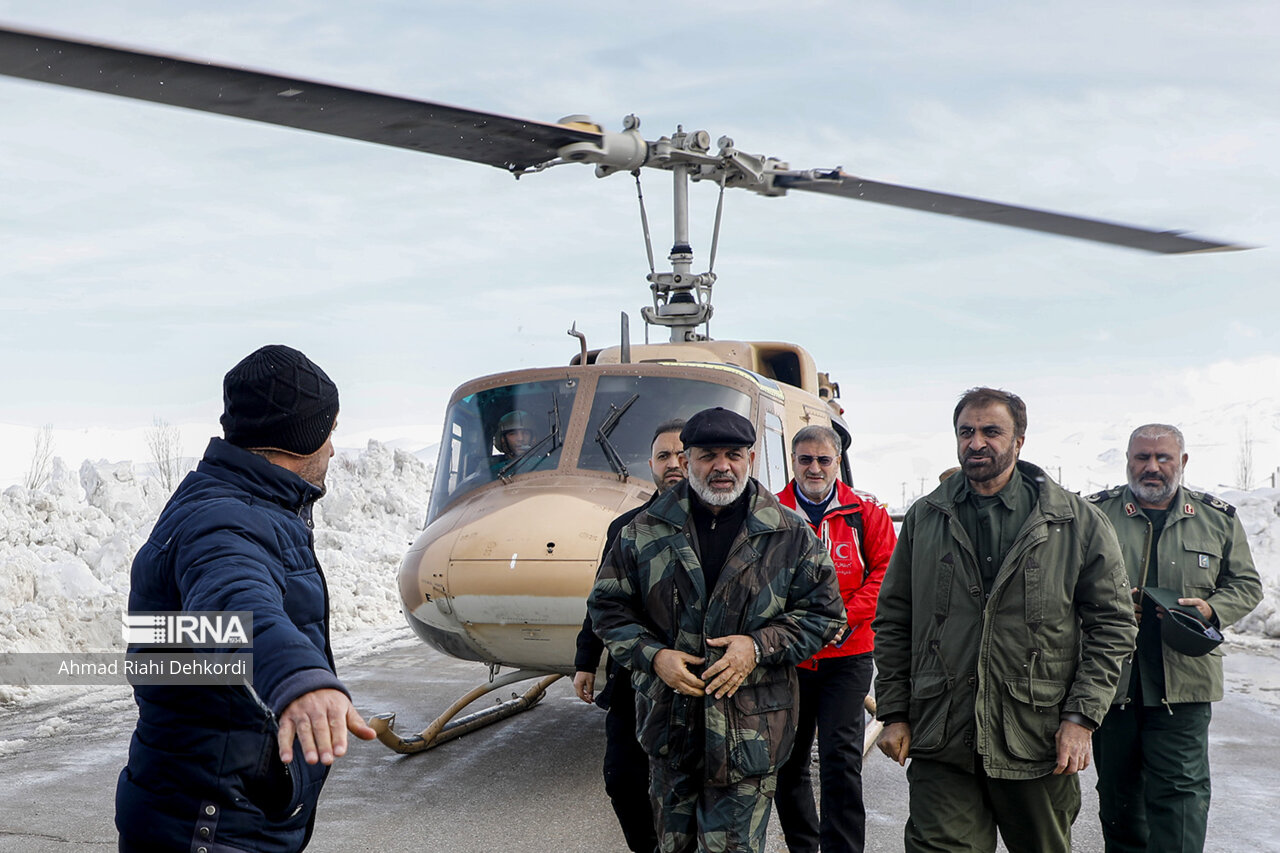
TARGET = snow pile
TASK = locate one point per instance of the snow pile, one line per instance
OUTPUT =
(1259, 512)
(65, 550)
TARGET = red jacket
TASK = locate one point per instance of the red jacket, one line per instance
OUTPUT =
(855, 525)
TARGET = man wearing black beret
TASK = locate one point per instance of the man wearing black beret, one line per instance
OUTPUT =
(711, 597)
(211, 766)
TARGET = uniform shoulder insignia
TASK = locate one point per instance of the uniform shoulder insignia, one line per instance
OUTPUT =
(1099, 497)
(1216, 502)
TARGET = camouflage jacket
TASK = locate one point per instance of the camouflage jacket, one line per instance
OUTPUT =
(777, 585)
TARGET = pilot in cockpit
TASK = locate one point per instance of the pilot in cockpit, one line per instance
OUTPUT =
(514, 435)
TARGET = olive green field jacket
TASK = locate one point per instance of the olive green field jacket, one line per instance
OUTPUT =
(994, 676)
(1202, 553)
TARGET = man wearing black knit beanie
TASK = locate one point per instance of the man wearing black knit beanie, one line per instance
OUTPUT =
(211, 766)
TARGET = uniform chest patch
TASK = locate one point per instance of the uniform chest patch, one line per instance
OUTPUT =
(1204, 561)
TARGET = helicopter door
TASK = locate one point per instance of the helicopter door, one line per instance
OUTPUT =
(774, 468)
(846, 451)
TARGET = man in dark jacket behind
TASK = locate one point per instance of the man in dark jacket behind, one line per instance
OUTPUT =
(211, 767)
(711, 597)
(626, 767)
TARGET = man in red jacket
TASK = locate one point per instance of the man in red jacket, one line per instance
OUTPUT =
(833, 683)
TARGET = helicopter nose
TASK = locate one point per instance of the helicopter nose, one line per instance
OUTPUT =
(505, 576)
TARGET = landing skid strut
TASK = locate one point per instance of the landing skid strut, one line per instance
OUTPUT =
(445, 728)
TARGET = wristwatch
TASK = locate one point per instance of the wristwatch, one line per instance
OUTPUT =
(756, 643)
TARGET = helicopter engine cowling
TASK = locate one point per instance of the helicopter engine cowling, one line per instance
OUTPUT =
(502, 577)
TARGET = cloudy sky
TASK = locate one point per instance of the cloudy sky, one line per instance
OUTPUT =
(143, 249)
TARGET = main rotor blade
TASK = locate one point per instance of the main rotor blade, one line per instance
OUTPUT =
(508, 143)
(849, 186)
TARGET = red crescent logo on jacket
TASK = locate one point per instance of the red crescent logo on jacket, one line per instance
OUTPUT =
(848, 550)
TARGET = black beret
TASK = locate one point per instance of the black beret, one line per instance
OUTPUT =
(1183, 628)
(718, 427)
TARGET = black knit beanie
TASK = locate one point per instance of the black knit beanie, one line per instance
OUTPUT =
(278, 399)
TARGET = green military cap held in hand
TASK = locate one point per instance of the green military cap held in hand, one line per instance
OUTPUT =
(1183, 629)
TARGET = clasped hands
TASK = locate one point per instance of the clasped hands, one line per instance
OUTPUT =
(721, 679)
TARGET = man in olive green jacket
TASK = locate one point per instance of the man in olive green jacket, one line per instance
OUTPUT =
(1153, 746)
(1002, 624)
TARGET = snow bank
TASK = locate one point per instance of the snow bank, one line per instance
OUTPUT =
(1259, 512)
(66, 549)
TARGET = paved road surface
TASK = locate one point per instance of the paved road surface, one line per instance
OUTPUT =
(531, 783)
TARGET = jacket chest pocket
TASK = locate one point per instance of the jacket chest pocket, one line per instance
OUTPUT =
(928, 712)
(299, 560)
(304, 595)
(669, 594)
(1201, 561)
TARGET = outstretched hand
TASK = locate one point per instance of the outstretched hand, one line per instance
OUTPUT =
(320, 721)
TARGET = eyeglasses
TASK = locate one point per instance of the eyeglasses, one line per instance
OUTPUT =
(823, 461)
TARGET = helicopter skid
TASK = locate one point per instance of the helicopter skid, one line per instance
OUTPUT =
(445, 728)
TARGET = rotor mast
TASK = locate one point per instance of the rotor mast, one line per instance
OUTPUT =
(681, 298)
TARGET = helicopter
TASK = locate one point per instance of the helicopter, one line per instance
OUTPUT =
(513, 535)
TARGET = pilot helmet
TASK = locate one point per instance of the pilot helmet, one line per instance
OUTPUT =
(515, 419)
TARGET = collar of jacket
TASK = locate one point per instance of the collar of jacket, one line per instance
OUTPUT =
(1054, 503)
(845, 502)
(1177, 506)
(226, 461)
(764, 514)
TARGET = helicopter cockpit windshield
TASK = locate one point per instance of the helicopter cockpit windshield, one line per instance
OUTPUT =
(626, 410)
(503, 432)
(498, 433)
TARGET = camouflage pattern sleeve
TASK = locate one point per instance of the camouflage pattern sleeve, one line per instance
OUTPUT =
(814, 611)
(616, 607)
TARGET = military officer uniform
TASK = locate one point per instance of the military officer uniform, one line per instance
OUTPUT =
(1152, 750)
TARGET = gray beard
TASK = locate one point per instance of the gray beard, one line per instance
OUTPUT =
(1155, 494)
(713, 498)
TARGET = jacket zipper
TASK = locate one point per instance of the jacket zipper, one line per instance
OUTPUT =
(1031, 674)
